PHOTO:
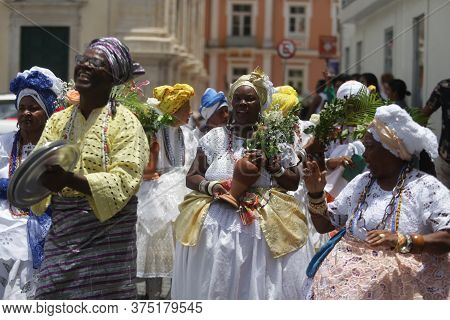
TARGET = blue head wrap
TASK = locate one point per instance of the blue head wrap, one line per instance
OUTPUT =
(211, 102)
(40, 84)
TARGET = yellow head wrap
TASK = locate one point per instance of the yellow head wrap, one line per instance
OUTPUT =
(258, 81)
(285, 99)
(287, 90)
(172, 98)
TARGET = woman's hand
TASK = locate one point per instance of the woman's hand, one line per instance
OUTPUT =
(382, 238)
(218, 190)
(344, 161)
(273, 165)
(314, 146)
(315, 180)
(54, 178)
(256, 157)
(151, 175)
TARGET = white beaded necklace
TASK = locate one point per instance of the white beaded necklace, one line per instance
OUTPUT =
(105, 149)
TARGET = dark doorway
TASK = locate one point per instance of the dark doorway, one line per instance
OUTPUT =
(46, 47)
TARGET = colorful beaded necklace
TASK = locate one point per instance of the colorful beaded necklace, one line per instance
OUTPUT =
(230, 148)
(105, 148)
(14, 162)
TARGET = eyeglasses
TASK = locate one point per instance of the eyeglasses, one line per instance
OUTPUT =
(91, 61)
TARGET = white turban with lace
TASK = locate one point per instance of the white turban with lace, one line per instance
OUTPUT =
(394, 128)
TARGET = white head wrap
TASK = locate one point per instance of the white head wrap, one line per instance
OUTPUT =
(350, 88)
(394, 128)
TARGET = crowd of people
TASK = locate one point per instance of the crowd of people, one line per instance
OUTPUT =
(192, 212)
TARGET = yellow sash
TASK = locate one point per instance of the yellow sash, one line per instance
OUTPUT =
(283, 224)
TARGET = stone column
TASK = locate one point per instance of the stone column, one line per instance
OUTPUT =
(268, 23)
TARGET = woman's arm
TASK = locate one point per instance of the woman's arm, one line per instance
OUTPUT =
(195, 178)
(196, 173)
(437, 242)
(150, 172)
(56, 178)
(434, 243)
(290, 179)
(315, 182)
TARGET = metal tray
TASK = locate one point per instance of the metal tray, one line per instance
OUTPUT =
(24, 189)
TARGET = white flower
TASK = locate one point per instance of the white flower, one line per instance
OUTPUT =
(274, 116)
(154, 103)
(315, 119)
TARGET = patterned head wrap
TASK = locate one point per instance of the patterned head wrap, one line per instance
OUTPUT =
(285, 99)
(394, 128)
(170, 99)
(258, 81)
(118, 56)
(211, 102)
(39, 83)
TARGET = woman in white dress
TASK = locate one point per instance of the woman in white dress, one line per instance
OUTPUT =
(22, 234)
(396, 220)
(339, 153)
(218, 254)
(172, 153)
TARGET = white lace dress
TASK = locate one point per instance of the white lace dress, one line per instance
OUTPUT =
(353, 270)
(158, 202)
(232, 260)
(16, 268)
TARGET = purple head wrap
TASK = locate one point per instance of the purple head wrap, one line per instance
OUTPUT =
(118, 56)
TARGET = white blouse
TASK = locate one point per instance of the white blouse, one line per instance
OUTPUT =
(425, 204)
(221, 163)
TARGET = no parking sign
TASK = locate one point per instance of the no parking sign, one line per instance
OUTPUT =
(286, 49)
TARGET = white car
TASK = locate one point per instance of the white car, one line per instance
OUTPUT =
(8, 113)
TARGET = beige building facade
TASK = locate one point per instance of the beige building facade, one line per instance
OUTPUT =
(165, 36)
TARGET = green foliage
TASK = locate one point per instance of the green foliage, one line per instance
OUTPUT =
(357, 111)
(130, 96)
(418, 116)
(273, 130)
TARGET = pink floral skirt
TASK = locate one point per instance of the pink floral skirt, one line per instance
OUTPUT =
(355, 271)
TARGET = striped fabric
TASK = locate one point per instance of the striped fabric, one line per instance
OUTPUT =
(87, 259)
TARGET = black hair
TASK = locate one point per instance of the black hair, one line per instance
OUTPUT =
(399, 87)
(371, 80)
(342, 78)
(320, 85)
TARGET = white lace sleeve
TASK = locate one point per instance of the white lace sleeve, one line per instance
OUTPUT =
(342, 207)
(435, 200)
(289, 158)
(212, 144)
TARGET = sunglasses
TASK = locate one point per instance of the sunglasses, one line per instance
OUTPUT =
(93, 62)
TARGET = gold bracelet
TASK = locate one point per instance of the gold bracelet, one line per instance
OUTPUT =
(418, 242)
(317, 200)
(401, 242)
(319, 209)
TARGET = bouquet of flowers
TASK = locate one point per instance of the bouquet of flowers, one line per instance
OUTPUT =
(273, 130)
(131, 96)
(357, 111)
(69, 96)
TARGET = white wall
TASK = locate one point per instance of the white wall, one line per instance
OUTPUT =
(400, 15)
